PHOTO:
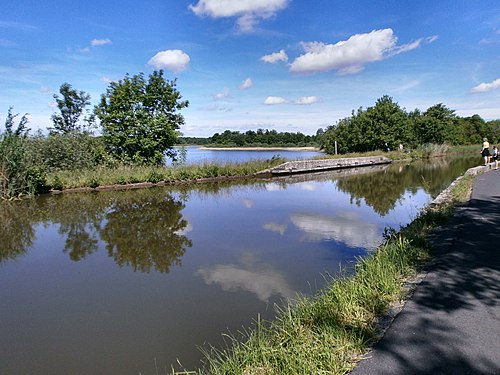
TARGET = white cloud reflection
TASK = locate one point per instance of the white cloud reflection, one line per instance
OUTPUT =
(255, 277)
(278, 228)
(346, 227)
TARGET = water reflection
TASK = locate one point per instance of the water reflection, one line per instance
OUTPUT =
(250, 275)
(141, 229)
(144, 232)
(346, 227)
(251, 244)
(16, 231)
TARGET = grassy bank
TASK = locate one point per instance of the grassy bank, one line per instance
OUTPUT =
(327, 333)
(123, 175)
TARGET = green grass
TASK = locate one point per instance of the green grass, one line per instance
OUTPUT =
(123, 175)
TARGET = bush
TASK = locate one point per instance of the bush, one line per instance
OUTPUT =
(68, 151)
(18, 174)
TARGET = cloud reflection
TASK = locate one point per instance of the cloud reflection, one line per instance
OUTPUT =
(346, 227)
(252, 276)
(278, 228)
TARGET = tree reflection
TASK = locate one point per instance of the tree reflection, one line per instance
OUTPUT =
(145, 230)
(382, 190)
(16, 231)
(140, 228)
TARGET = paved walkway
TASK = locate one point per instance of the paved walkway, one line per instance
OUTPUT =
(451, 325)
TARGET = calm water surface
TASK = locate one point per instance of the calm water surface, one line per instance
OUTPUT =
(198, 155)
(114, 282)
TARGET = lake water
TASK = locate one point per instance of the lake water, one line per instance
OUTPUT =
(121, 282)
(198, 155)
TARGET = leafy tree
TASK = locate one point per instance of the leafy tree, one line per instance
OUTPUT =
(71, 106)
(371, 129)
(139, 117)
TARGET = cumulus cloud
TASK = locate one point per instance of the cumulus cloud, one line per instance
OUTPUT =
(350, 56)
(246, 84)
(174, 60)
(100, 42)
(275, 57)
(272, 100)
(484, 87)
(248, 12)
(306, 100)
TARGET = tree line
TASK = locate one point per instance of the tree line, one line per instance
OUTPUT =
(386, 125)
(138, 118)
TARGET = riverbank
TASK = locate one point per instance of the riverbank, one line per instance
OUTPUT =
(330, 332)
(271, 148)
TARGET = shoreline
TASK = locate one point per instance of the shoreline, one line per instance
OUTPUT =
(277, 148)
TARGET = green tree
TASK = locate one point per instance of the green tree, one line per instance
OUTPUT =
(71, 106)
(139, 118)
(436, 125)
(377, 127)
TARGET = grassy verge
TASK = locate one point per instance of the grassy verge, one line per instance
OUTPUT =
(327, 333)
(123, 175)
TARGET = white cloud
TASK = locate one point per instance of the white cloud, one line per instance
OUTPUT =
(272, 100)
(307, 100)
(247, 83)
(275, 57)
(226, 93)
(484, 87)
(100, 42)
(174, 60)
(351, 56)
(106, 79)
(248, 12)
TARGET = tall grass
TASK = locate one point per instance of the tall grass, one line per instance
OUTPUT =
(130, 174)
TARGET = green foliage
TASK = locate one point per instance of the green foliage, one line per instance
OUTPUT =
(70, 151)
(140, 119)
(386, 125)
(261, 137)
(71, 107)
(18, 173)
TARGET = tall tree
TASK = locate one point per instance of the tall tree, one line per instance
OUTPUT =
(140, 119)
(72, 117)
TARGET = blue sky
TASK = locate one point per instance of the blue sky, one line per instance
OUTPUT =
(288, 65)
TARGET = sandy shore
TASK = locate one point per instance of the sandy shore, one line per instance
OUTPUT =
(260, 148)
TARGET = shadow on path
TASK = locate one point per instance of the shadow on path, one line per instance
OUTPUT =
(451, 325)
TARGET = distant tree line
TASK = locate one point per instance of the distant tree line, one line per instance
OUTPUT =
(262, 137)
(386, 125)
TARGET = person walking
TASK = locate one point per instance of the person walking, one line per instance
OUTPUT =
(485, 151)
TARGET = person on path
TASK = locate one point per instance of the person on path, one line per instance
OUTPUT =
(485, 151)
(494, 158)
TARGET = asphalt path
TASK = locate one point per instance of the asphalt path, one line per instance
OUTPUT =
(451, 324)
